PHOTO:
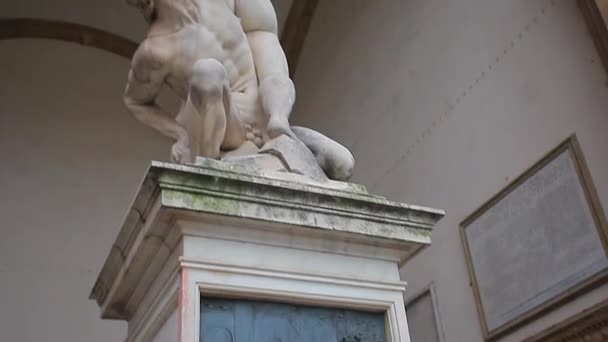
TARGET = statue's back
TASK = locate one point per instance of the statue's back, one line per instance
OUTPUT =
(213, 33)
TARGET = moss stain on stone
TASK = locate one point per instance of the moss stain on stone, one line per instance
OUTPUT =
(244, 195)
(200, 202)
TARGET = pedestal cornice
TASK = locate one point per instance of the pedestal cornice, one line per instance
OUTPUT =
(217, 191)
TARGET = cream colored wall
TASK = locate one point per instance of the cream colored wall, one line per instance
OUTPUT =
(444, 102)
(72, 159)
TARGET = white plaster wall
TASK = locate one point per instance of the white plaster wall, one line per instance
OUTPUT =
(71, 161)
(444, 102)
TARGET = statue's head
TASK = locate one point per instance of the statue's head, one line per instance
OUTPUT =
(146, 7)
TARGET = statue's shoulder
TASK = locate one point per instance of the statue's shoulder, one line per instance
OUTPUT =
(256, 15)
(155, 51)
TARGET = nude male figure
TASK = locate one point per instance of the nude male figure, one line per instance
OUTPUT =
(224, 60)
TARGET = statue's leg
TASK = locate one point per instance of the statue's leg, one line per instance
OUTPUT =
(277, 95)
(209, 97)
(335, 159)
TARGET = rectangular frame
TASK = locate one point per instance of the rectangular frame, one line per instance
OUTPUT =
(595, 13)
(584, 324)
(198, 279)
(430, 289)
(571, 144)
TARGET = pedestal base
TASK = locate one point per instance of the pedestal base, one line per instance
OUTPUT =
(195, 232)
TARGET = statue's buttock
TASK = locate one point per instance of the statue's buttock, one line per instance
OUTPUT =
(225, 61)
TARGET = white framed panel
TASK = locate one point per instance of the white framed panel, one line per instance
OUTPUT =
(423, 316)
(285, 287)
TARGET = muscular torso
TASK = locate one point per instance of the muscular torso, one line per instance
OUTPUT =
(216, 34)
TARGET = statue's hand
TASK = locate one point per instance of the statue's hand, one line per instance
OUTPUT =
(180, 151)
(277, 126)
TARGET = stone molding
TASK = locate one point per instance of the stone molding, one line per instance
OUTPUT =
(217, 229)
(169, 189)
(276, 287)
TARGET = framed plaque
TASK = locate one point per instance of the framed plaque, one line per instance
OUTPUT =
(540, 241)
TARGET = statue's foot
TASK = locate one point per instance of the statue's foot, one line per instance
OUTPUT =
(336, 160)
(180, 152)
(278, 126)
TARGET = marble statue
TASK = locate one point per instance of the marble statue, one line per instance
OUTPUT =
(224, 60)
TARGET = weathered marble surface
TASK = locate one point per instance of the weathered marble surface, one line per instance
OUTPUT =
(237, 194)
(224, 60)
(223, 229)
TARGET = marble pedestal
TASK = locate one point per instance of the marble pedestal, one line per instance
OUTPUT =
(215, 231)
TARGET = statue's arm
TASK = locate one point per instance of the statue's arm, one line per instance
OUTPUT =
(146, 79)
(277, 92)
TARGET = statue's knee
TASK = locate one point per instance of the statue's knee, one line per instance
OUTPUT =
(207, 80)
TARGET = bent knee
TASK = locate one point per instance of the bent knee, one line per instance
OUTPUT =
(208, 78)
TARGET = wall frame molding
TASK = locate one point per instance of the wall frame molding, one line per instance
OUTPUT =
(200, 280)
(595, 13)
(432, 292)
(588, 325)
(554, 295)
